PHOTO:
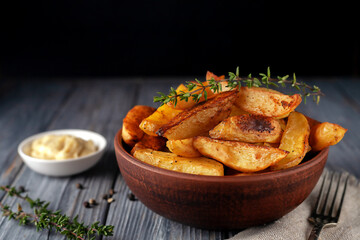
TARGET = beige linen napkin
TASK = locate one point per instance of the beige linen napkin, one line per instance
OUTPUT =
(295, 225)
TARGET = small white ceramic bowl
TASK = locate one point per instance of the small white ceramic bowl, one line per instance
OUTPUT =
(60, 168)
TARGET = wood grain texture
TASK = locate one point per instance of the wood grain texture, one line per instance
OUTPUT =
(93, 106)
(335, 107)
(27, 108)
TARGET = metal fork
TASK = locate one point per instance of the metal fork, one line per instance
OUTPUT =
(327, 212)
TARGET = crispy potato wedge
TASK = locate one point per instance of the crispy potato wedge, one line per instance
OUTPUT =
(244, 157)
(150, 142)
(295, 140)
(324, 134)
(236, 111)
(275, 145)
(170, 161)
(199, 119)
(183, 147)
(191, 102)
(210, 75)
(131, 133)
(161, 116)
(267, 102)
(248, 128)
(282, 123)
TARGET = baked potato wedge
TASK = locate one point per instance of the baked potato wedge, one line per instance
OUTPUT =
(267, 102)
(150, 142)
(244, 157)
(161, 116)
(183, 147)
(170, 161)
(236, 111)
(295, 140)
(131, 133)
(224, 84)
(190, 102)
(324, 134)
(200, 119)
(248, 128)
(210, 75)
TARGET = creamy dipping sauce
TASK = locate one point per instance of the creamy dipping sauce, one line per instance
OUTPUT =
(60, 147)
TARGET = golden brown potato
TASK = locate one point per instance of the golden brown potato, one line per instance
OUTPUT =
(161, 116)
(199, 119)
(170, 161)
(151, 142)
(210, 75)
(266, 102)
(275, 145)
(183, 147)
(131, 133)
(295, 140)
(244, 157)
(282, 123)
(224, 87)
(190, 103)
(324, 134)
(248, 128)
(236, 111)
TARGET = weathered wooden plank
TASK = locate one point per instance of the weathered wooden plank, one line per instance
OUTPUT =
(351, 91)
(97, 106)
(335, 108)
(100, 106)
(25, 110)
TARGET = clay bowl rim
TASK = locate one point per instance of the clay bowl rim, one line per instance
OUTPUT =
(243, 178)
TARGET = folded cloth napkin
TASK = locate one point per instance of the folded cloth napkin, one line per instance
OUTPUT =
(295, 225)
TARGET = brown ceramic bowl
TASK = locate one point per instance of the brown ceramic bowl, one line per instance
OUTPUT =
(221, 203)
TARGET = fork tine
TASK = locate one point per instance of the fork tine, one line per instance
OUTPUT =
(327, 195)
(342, 198)
(335, 195)
(318, 203)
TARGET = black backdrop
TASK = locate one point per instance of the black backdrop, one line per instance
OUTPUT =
(81, 38)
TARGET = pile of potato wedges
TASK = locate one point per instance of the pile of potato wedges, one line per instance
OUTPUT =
(234, 132)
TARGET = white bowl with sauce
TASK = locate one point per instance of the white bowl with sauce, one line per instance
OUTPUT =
(66, 167)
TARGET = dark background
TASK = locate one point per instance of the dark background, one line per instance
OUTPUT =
(79, 38)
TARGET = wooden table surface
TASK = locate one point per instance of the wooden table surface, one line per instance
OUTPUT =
(30, 107)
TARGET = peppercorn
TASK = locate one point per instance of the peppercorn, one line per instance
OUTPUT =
(86, 204)
(105, 196)
(92, 201)
(131, 197)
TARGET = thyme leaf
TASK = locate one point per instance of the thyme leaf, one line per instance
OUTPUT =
(43, 218)
(197, 89)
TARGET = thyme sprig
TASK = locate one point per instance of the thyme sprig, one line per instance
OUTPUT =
(197, 89)
(43, 218)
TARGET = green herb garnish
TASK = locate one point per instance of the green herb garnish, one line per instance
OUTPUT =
(43, 218)
(235, 81)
